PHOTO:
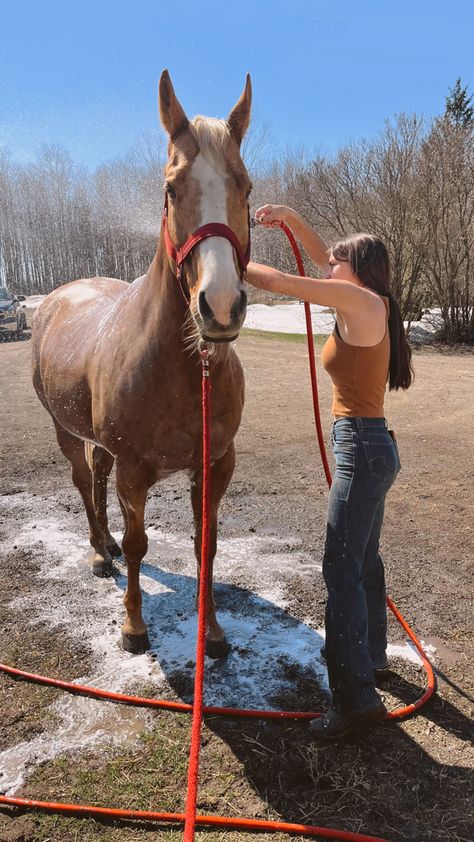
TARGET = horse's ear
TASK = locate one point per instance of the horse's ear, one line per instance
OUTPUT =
(172, 116)
(239, 117)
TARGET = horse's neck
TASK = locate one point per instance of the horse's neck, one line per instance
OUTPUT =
(163, 304)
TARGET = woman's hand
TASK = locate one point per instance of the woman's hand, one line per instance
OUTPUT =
(271, 215)
(316, 248)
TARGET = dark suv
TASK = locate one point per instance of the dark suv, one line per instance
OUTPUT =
(12, 313)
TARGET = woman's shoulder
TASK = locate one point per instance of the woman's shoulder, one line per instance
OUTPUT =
(366, 326)
(375, 306)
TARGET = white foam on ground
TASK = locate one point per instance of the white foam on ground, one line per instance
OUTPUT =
(265, 637)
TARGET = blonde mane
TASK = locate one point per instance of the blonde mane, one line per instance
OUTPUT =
(211, 135)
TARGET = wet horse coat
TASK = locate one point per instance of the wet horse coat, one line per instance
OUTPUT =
(117, 366)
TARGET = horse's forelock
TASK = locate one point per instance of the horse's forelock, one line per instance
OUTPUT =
(212, 136)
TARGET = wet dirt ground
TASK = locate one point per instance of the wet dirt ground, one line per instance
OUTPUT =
(411, 781)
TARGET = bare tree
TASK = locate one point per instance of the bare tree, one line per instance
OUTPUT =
(257, 144)
(372, 187)
(447, 187)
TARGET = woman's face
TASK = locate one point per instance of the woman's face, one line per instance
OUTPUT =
(341, 270)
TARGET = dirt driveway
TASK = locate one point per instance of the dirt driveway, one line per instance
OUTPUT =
(412, 781)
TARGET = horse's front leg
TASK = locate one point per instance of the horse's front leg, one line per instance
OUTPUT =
(221, 473)
(132, 487)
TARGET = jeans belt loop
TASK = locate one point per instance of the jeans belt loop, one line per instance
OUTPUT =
(360, 425)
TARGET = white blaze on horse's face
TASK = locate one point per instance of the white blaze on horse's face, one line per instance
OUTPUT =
(211, 148)
(221, 302)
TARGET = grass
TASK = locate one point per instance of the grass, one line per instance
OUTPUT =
(382, 783)
(149, 776)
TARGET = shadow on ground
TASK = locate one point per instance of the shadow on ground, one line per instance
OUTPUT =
(382, 782)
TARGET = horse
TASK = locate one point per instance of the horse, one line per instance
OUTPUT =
(117, 365)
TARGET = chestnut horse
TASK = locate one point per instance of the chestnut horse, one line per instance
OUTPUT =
(117, 365)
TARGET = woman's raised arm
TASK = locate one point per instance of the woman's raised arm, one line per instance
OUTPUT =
(329, 292)
(314, 246)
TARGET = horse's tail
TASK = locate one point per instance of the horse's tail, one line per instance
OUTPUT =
(89, 454)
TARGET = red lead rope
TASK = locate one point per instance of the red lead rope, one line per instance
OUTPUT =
(193, 771)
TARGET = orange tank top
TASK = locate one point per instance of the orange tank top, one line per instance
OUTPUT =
(359, 374)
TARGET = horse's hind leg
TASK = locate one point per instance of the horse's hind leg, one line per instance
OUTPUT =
(73, 449)
(221, 473)
(101, 463)
(133, 482)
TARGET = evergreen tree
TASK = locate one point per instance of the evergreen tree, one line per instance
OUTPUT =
(458, 106)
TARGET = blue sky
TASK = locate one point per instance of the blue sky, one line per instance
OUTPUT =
(84, 74)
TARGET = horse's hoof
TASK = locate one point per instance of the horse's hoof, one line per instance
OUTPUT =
(103, 568)
(115, 550)
(217, 649)
(137, 644)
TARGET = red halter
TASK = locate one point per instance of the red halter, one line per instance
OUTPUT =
(212, 229)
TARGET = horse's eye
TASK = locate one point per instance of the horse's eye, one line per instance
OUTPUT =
(170, 191)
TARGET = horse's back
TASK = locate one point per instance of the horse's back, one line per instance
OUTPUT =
(64, 331)
(67, 306)
(86, 294)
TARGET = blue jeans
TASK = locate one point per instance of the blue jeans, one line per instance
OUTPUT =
(367, 463)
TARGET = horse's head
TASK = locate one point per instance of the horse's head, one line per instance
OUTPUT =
(206, 182)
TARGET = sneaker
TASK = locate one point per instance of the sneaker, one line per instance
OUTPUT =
(382, 675)
(333, 724)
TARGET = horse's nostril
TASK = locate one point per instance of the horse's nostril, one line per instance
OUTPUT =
(204, 309)
(239, 305)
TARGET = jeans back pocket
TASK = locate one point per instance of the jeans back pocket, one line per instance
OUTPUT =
(382, 457)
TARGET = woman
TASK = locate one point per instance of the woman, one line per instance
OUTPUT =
(368, 346)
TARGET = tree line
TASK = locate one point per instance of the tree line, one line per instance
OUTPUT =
(412, 185)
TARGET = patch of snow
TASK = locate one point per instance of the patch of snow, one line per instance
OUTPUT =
(430, 323)
(289, 318)
(34, 301)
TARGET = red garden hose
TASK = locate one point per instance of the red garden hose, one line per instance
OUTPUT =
(179, 818)
(190, 819)
(312, 361)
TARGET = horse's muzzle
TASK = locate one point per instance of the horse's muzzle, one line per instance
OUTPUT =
(214, 331)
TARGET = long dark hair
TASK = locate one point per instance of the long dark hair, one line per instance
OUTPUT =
(368, 257)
